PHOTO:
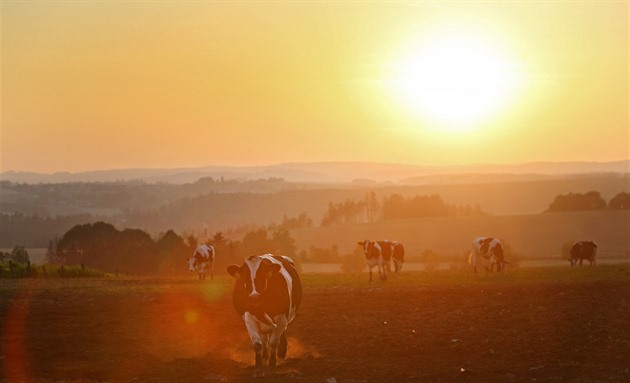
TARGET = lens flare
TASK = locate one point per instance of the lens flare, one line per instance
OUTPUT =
(191, 316)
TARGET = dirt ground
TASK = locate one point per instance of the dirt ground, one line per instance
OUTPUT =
(152, 330)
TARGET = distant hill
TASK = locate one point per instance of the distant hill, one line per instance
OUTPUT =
(34, 213)
(335, 173)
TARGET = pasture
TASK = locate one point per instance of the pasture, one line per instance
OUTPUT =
(549, 324)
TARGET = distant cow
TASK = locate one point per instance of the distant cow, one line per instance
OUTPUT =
(201, 260)
(386, 253)
(583, 250)
(398, 255)
(372, 252)
(267, 295)
(487, 251)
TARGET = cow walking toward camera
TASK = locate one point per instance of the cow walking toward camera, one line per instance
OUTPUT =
(267, 295)
(487, 251)
(583, 250)
(372, 252)
(202, 260)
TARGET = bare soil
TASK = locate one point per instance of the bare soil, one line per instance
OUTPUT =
(154, 330)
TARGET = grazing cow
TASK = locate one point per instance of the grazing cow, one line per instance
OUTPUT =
(489, 252)
(202, 258)
(386, 253)
(372, 251)
(583, 250)
(398, 255)
(267, 295)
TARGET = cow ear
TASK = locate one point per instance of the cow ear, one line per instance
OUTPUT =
(234, 271)
(273, 268)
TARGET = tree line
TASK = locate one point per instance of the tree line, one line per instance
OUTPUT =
(591, 200)
(206, 214)
(394, 206)
(102, 246)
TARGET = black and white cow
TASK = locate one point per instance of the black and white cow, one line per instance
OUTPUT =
(372, 252)
(398, 255)
(487, 251)
(583, 250)
(267, 295)
(201, 260)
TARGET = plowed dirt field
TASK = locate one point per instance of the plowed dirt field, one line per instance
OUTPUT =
(540, 325)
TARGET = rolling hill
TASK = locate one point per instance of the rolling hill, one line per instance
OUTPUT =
(333, 172)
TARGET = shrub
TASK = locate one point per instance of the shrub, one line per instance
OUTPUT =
(353, 263)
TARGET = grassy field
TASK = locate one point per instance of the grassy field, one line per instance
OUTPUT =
(552, 324)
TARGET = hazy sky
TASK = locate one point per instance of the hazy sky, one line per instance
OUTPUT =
(108, 84)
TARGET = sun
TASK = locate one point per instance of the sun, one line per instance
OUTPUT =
(454, 82)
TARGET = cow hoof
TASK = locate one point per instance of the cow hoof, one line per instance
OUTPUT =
(258, 374)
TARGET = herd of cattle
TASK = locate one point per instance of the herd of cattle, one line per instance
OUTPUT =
(380, 254)
(268, 291)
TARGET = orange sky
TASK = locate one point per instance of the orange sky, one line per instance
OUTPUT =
(103, 85)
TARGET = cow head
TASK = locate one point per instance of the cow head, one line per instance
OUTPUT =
(364, 246)
(368, 247)
(484, 244)
(253, 277)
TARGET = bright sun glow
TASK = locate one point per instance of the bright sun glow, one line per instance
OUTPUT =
(455, 82)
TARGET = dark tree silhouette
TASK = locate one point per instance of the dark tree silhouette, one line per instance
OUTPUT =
(577, 201)
(620, 201)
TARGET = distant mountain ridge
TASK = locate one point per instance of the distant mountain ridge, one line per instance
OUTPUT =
(331, 172)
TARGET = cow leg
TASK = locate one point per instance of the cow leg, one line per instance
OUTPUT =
(257, 342)
(258, 368)
(283, 345)
(272, 356)
(276, 338)
(265, 349)
(370, 269)
(273, 346)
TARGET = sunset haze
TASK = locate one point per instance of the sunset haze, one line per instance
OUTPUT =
(108, 85)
